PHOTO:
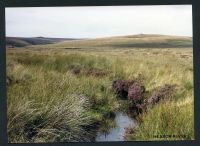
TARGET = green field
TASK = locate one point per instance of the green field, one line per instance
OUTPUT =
(63, 92)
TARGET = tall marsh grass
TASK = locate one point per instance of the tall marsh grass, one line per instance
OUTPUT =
(40, 108)
(57, 96)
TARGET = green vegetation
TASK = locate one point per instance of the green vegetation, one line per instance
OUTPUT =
(63, 92)
(168, 121)
(22, 42)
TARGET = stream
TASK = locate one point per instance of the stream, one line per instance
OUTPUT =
(117, 133)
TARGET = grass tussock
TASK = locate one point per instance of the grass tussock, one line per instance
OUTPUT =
(40, 113)
(165, 120)
(50, 106)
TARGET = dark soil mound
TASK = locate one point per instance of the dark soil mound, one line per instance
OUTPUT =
(76, 71)
(120, 87)
(135, 92)
(97, 72)
(139, 98)
(161, 93)
(131, 89)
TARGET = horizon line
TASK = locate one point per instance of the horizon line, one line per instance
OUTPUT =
(39, 36)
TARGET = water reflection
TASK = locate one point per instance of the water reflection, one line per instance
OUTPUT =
(117, 133)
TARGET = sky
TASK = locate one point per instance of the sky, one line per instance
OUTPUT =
(98, 21)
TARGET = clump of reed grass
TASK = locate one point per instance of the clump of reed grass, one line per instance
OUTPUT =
(166, 118)
(29, 121)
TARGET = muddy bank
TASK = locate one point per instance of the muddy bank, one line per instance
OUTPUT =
(140, 100)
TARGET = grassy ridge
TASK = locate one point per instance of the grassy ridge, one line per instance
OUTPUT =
(66, 92)
(22, 42)
(134, 41)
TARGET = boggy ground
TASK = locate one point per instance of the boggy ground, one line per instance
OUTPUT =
(67, 94)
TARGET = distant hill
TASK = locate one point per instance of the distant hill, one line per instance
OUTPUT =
(130, 41)
(22, 41)
(151, 41)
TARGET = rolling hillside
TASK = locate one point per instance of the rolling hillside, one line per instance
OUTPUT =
(73, 90)
(21, 41)
(130, 41)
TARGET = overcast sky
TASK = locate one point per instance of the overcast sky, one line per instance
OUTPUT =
(94, 22)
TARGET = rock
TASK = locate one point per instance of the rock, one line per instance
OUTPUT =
(8, 80)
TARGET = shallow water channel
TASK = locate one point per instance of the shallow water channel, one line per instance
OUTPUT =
(117, 133)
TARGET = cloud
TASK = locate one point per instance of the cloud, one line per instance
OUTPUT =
(101, 21)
